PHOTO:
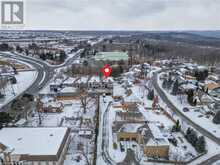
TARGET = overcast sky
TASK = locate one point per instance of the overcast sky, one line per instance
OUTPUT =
(123, 14)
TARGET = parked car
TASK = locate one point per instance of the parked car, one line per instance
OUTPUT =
(185, 109)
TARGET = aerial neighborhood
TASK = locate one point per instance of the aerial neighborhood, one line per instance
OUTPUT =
(106, 99)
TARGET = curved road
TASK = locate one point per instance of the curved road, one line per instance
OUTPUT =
(105, 138)
(180, 114)
(203, 131)
(45, 73)
(211, 160)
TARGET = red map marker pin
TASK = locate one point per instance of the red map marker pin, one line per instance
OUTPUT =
(106, 70)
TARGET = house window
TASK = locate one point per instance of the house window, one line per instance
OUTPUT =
(121, 139)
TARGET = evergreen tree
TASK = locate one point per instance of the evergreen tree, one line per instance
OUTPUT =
(13, 80)
(117, 71)
(5, 118)
(62, 56)
(5, 47)
(201, 75)
(200, 144)
(164, 84)
(190, 94)
(216, 119)
(176, 127)
(175, 87)
(169, 82)
(19, 49)
(191, 136)
(150, 95)
(188, 131)
(26, 52)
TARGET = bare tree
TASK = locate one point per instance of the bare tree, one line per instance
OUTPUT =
(38, 108)
(86, 154)
(3, 83)
(84, 100)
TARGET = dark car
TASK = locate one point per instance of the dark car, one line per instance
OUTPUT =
(185, 109)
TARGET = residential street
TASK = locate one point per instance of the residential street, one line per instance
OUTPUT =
(180, 114)
(45, 73)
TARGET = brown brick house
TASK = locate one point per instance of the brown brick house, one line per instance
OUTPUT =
(131, 126)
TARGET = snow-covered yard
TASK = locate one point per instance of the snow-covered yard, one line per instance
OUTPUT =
(24, 80)
(81, 147)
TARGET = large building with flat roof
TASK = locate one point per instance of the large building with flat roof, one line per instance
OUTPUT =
(34, 146)
(111, 56)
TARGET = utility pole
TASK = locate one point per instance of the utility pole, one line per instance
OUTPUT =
(98, 119)
(130, 51)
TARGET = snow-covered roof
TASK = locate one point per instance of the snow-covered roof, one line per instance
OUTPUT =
(131, 127)
(94, 79)
(85, 132)
(20, 122)
(33, 141)
(207, 98)
(188, 86)
(56, 82)
(158, 138)
(183, 70)
(118, 90)
(157, 142)
(53, 104)
(108, 79)
(70, 80)
(68, 90)
(213, 77)
(155, 131)
(202, 67)
(132, 98)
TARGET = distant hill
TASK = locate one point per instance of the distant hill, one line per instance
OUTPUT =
(189, 37)
(215, 34)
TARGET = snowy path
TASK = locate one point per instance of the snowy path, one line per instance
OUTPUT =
(105, 137)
